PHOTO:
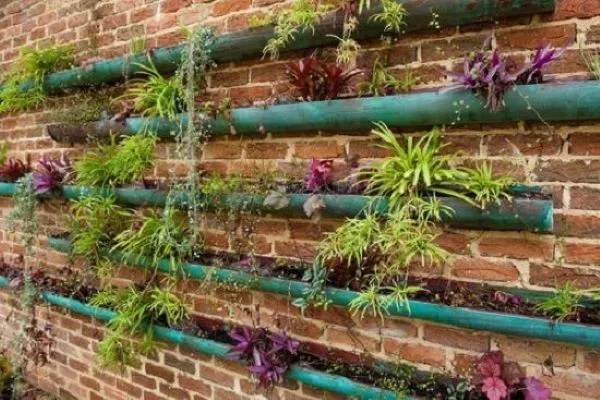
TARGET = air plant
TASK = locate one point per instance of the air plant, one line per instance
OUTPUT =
(52, 174)
(490, 75)
(497, 379)
(14, 169)
(269, 355)
(319, 175)
(316, 80)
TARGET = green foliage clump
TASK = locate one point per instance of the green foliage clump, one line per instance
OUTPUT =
(485, 188)
(117, 164)
(24, 86)
(158, 236)
(155, 96)
(301, 17)
(137, 310)
(564, 303)
(95, 221)
(382, 82)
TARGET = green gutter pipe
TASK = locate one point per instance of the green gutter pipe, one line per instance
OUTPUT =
(572, 101)
(250, 43)
(520, 214)
(317, 379)
(509, 324)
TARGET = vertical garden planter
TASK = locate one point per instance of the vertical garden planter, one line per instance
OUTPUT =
(461, 317)
(250, 43)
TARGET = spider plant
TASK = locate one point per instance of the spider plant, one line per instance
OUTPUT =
(415, 170)
(369, 301)
(155, 96)
(351, 241)
(94, 222)
(383, 82)
(592, 61)
(391, 15)
(136, 310)
(485, 188)
(565, 303)
(157, 236)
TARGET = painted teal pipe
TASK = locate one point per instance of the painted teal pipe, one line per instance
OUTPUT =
(573, 101)
(317, 379)
(250, 43)
(509, 324)
(520, 214)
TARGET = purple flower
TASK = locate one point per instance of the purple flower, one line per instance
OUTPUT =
(52, 174)
(318, 175)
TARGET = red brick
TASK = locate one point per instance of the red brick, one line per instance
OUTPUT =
(143, 380)
(530, 145)
(78, 20)
(217, 376)
(544, 275)
(481, 269)
(195, 385)
(319, 150)
(265, 150)
(143, 13)
(591, 361)
(536, 351)
(582, 253)
(458, 338)
(516, 247)
(224, 7)
(456, 243)
(160, 372)
(90, 383)
(248, 95)
(171, 6)
(585, 198)
(582, 143)
(229, 78)
(444, 49)
(180, 363)
(531, 38)
(295, 249)
(415, 352)
(574, 384)
(113, 21)
(367, 149)
(268, 73)
(353, 339)
(577, 226)
(128, 388)
(576, 8)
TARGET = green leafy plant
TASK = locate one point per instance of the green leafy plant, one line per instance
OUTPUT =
(592, 61)
(24, 87)
(157, 236)
(137, 310)
(418, 169)
(137, 44)
(565, 302)
(300, 17)
(347, 50)
(392, 15)
(382, 82)
(485, 188)
(95, 221)
(351, 240)
(256, 21)
(369, 301)
(155, 96)
(315, 294)
(3, 153)
(117, 164)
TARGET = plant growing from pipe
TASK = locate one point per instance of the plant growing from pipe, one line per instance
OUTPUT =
(137, 309)
(33, 65)
(13, 169)
(51, 175)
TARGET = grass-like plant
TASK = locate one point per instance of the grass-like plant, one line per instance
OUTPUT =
(95, 221)
(485, 188)
(564, 303)
(418, 169)
(592, 61)
(137, 310)
(155, 96)
(158, 236)
(351, 240)
(117, 164)
(33, 66)
(391, 15)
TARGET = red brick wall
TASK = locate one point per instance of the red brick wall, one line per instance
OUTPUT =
(565, 159)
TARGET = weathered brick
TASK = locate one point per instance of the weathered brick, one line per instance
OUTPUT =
(415, 352)
(354, 339)
(266, 150)
(536, 352)
(485, 270)
(458, 338)
(545, 275)
(531, 38)
(223, 7)
(160, 372)
(318, 150)
(585, 226)
(517, 247)
(526, 145)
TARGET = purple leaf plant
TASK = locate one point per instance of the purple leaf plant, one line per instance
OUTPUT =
(498, 379)
(490, 75)
(318, 175)
(52, 174)
(268, 355)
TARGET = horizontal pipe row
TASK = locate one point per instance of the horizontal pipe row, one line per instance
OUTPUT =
(573, 101)
(461, 317)
(519, 214)
(317, 379)
(250, 43)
